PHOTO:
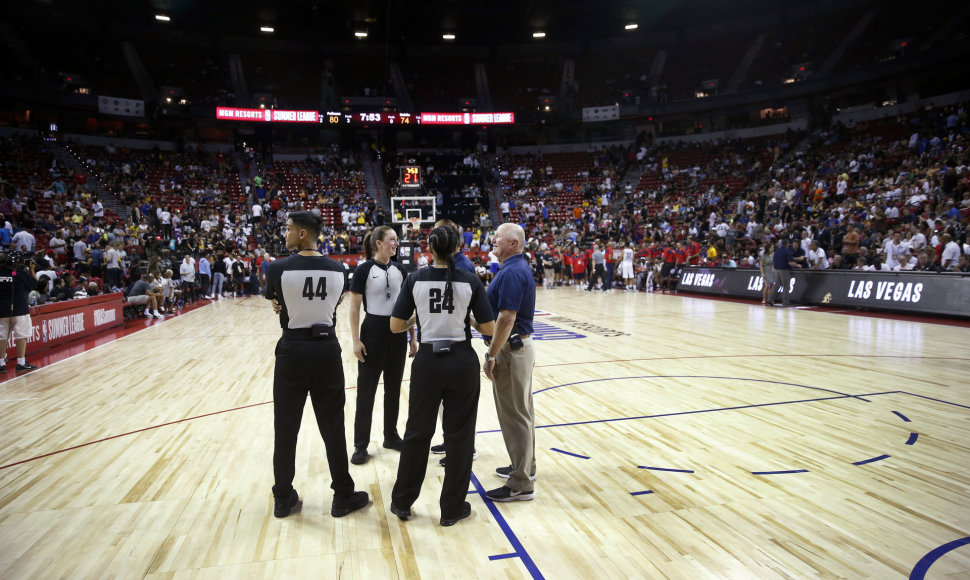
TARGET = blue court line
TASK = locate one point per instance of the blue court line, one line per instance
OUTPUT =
(675, 414)
(665, 469)
(937, 400)
(779, 472)
(871, 460)
(516, 544)
(919, 571)
(912, 438)
(503, 556)
(700, 377)
(641, 492)
(901, 416)
(568, 453)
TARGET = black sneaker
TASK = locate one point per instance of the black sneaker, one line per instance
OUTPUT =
(360, 456)
(340, 508)
(283, 505)
(3, 368)
(25, 367)
(402, 514)
(474, 457)
(466, 511)
(438, 449)
(507, 494)
(506, 472)
(395, 444)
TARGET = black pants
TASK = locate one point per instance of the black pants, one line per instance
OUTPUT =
(113, 277)
(309, 366)
(386, 352)
(451, 379)
(599, 272)
(204, 284)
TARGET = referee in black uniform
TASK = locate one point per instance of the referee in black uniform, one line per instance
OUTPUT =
(445, 371)
(308, 286)
(377, 282)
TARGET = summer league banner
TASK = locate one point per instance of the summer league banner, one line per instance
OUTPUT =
(914, 292)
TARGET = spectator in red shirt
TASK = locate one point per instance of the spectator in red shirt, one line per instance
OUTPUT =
(578, 261)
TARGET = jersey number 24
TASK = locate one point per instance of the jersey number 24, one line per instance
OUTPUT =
(439, 302)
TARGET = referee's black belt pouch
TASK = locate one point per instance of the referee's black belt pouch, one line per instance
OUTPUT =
(321, 331)
(317, 331)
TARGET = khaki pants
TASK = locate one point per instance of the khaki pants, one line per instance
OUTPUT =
(516, 415)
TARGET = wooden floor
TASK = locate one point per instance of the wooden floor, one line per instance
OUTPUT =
(679, 438)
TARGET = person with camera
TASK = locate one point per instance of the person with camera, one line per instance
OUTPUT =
(16, 282)
(305, 289)
(444, 372)
(509, 363)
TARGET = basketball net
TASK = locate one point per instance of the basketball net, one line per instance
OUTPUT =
(415, 223)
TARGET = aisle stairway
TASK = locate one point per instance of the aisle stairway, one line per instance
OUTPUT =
(66, 157)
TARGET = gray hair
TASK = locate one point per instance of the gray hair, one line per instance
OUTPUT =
(514, 231)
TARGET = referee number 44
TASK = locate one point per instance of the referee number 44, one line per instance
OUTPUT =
(310, 292)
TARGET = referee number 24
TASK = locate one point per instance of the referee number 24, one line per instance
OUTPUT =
(309, 292)
(439, 301)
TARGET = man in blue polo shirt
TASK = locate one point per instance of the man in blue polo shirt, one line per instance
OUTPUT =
(784, 262)
(510, 360)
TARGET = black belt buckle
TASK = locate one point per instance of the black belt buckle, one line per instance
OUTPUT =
(441, 346)
(515, 341)
(320, 331)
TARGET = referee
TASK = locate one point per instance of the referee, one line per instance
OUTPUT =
(445, 371)
(376, 283)
(308, 286)
(461, 263)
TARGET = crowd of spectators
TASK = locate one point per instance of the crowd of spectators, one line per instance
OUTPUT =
(892, 194)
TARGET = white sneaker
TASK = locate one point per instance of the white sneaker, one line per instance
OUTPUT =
(157, 315)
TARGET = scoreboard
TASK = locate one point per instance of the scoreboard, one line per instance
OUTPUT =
(410, 177)
(377, 118)
(363, 118)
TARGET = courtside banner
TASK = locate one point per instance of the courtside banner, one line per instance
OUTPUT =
(913, 292)
(59, 322)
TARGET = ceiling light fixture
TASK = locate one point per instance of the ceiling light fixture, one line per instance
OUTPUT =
(361, 34)
(448, 36)
(162, 17)
(630, 27)
(266, 29)
(538, 35)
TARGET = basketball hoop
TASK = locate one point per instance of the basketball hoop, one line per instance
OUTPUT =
(415, 223)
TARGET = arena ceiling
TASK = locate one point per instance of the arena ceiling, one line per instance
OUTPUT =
(407, 22)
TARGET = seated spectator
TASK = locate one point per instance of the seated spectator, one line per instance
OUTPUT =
(141, 293)
(61, 291)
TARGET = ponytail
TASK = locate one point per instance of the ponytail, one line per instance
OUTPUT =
(370, 240)
(444, 241)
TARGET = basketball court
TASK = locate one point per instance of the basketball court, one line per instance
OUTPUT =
(677, 437)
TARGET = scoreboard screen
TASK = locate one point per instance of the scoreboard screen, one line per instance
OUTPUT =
(410, 176)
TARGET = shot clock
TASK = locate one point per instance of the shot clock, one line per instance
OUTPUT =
(410, 176)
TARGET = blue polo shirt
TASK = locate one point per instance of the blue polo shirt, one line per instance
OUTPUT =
(514, 288)
(782, 257)
(463, 263)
